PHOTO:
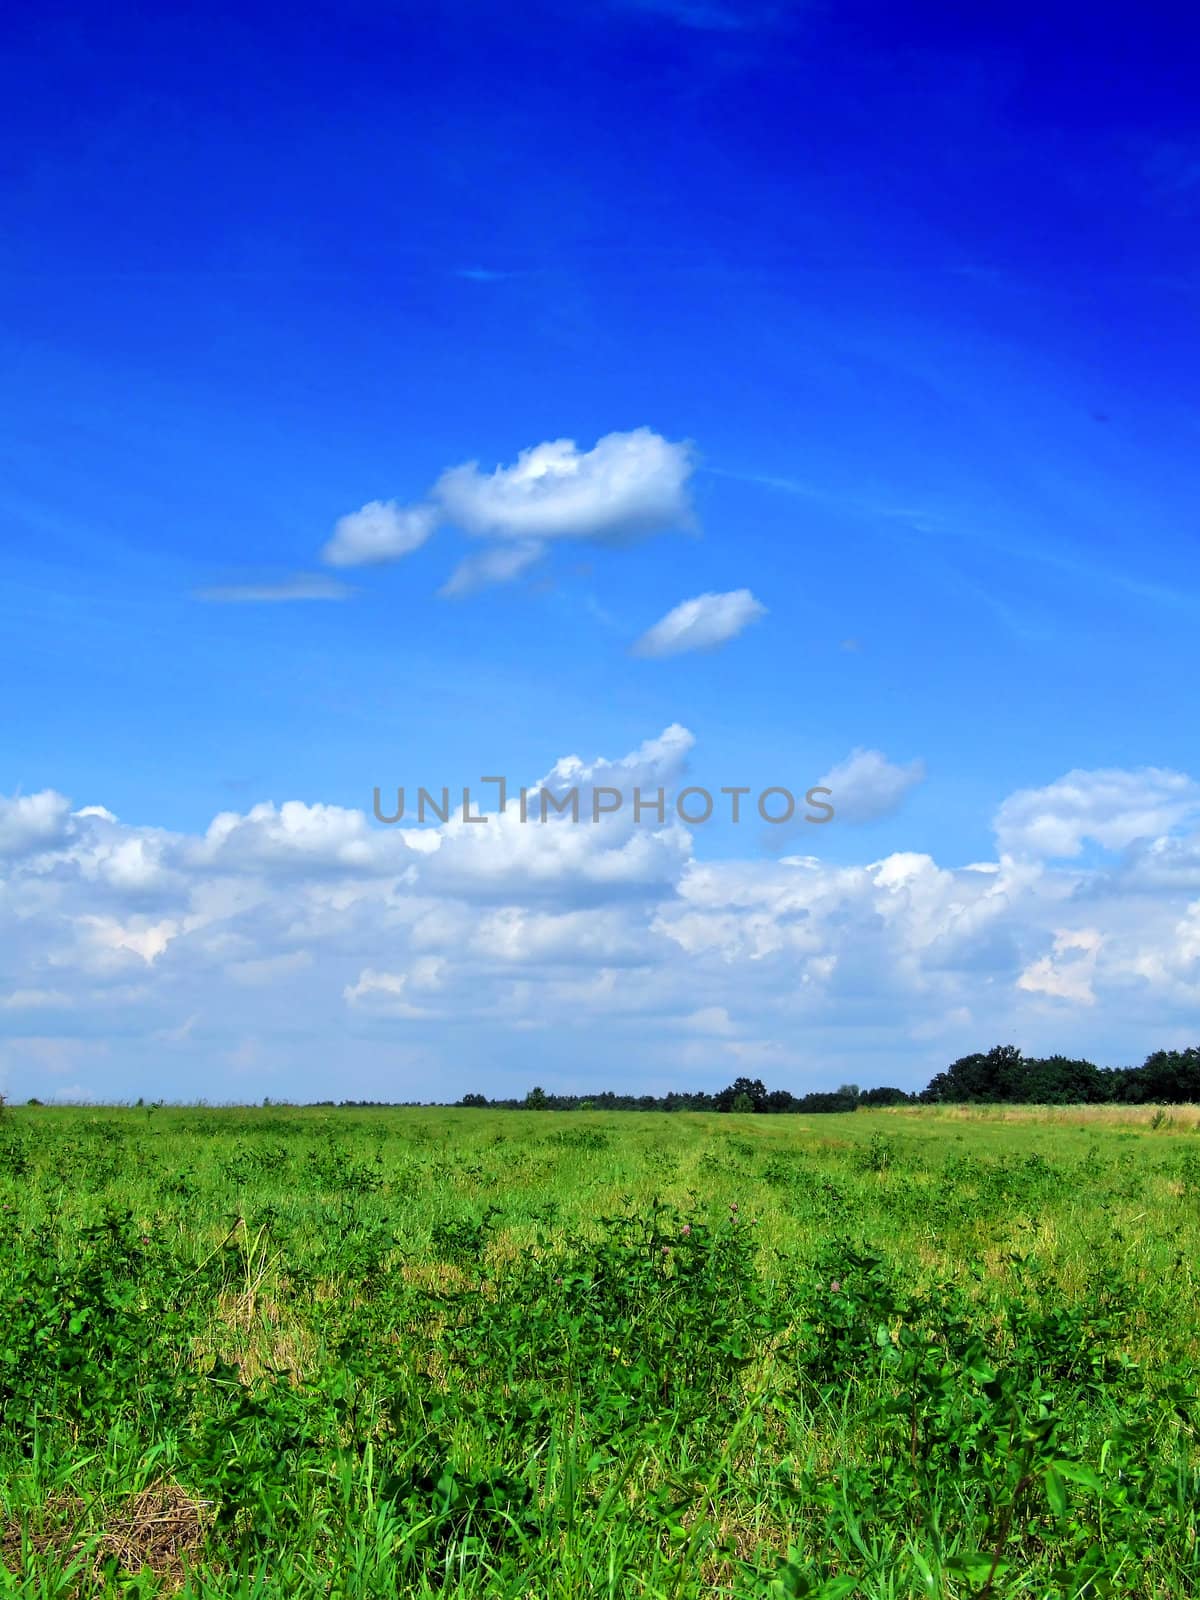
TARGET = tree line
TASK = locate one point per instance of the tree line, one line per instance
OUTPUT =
(1000, 1076)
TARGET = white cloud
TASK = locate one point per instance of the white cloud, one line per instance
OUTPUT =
(660, 761)
(299, 837)
(709, 1020)
(1068, 973)
(386, 992)
(701, 624)
(627, 486)
(31, 821)
(372, 967)
(615, 857)
(300, 586)
(381, 531)
(499, 564)
(139, 936)
(1111, 807)
(866, 785)
(35, 1000)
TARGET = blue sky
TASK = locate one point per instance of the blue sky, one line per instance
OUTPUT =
(902, 309)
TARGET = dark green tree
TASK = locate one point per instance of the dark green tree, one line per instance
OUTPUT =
(982, 1079)
(752, 1089)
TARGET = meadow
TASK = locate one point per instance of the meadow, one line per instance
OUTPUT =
(915, 1352)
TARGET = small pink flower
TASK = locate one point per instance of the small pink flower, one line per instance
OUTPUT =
(685, 1230)
(666, 1249)
(733, 1205)
(835, 1287)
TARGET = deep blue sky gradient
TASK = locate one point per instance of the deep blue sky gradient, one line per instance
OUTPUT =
(938, 275)
(921, 283)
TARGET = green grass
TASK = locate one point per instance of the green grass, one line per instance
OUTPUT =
(417, 1353)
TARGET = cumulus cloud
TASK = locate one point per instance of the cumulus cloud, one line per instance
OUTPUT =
(656, 762)
(628, 485)
(617, 856)
(31, 821)
(701, 624)
(381, 531)
(866, 785)
(299, 586)
(301, 838)
(404, 958)
(1067, 973)
(1111, 807)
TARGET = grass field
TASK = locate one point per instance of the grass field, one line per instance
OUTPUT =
(368, 1353)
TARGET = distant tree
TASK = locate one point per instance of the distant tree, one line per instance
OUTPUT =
(535, 1100)
(780, 1100)
(473, 1100)
(1059, 1081)
(984, 1079)
(1170, 1077)
(34, 1101)
(742, 1102)
(752, 1089)
(827, 1102)
(883, 1096)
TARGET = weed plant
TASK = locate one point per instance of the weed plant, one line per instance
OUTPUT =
(896, 1354)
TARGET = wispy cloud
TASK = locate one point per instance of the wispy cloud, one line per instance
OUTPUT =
(1063, 557)
(300, 586)
(498, 564)
(702, 623)
(709, 15)
(867, 786)
(483, 274)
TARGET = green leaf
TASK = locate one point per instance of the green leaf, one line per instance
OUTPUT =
(1056, 1491)
(1076, 1472)
(976, 1565)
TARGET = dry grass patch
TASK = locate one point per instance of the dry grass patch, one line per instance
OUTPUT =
(160, 1530)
